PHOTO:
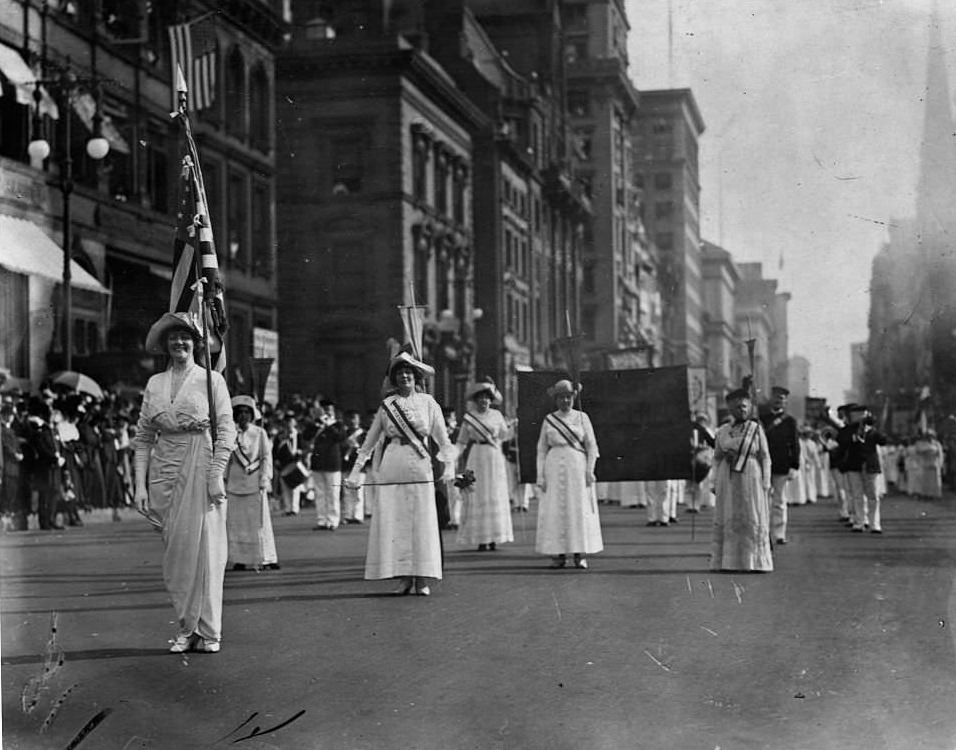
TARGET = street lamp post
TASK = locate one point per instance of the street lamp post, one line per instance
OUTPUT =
(97, 147)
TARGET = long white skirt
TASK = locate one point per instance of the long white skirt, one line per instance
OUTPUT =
(404, 539)
(568, 520)
(249, 528)
(486, 509)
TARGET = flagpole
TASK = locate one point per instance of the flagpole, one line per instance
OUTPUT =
(183, 114)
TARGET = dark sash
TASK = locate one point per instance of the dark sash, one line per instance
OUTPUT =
(402, 423)
(485, 435)
(569, 435)
(747, 446)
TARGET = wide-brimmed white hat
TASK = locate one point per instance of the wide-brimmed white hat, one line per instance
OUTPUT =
(156, 338)
(485, 386)
(407, 359)
(250, 403)
(564, 386)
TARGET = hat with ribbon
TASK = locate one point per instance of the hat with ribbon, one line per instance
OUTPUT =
(487, 385)
(406, 358)
(564, 387)
(248, 402)
(156, 338)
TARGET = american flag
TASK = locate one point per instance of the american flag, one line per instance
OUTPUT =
(194, 235)
(193, 47)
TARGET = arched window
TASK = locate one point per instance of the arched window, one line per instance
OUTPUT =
(236, 94)
(259, 109)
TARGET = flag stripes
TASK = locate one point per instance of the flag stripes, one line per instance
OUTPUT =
(193, 47)
(194, 233)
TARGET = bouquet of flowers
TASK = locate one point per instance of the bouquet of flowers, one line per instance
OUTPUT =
(464, 480)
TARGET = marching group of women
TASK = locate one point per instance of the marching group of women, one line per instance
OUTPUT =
(204, 471)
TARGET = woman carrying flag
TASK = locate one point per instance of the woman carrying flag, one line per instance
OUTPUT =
(741, 538)
(568, 521)
(486, 511)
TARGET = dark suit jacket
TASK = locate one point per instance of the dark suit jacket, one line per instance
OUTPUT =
(783, 443)
(11, 446)
(327, 447)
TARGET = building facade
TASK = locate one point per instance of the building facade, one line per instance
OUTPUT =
(375, 203)
(761, 314)
(666, 135)
(725, 367)
(121, 216)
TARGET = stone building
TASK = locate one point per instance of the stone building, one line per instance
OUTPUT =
(666, 134)
(375, 202)
(122, 209)
(726, 363)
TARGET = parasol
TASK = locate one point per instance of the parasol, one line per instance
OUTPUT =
(77, 381)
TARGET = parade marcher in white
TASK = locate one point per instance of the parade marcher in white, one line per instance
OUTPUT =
(568, 521)
(404, 540)
(353, 498)
(248, 482)
(928, 465)
(741, 535)
(486, 505)
(179, 479)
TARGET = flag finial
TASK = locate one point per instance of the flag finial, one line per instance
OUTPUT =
(181, 86)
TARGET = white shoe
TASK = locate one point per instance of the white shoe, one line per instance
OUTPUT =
(423, 591)
(183, 643)
(208, 647)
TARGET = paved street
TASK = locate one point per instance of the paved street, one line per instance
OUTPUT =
(849, 644)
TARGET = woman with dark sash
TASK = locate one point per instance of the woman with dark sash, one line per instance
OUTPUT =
(568, 522)
(741, 537)
(404, 539)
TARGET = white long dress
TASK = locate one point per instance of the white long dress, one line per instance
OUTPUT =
(404, 537)
(248, 478)
(568, 520)
(486, 506)
(741, 535)
(174, 450)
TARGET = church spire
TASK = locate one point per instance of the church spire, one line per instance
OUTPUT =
(936, 189)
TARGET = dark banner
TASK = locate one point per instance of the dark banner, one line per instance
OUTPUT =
(641, 421)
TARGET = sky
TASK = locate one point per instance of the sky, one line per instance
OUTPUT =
(814, 115)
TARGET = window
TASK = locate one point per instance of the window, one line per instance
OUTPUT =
(238, 250)
(663, 209)
(587, 278)
(236, 94)
(579, 103)
(663, 181)
(156, 185)
(259, 111)
(14, 124)
(347, 164)
(420, 169)
(460, 181)
(665, 241)
(583, 143)
(441, 181)
(661, 126)
(261, 230)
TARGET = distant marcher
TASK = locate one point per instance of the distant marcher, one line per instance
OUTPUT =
(248, 483)
(326, 440)
(11, 492)
(862, 465)
(780, 430)
(353, 499)
(741, 535)
(568, 521)
(486, 511)
(179, 479)
(929, 466)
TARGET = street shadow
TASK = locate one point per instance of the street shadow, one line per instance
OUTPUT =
(91, 655)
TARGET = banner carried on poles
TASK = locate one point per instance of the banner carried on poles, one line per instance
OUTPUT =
(641, 421)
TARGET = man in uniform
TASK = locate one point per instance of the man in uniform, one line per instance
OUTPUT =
(328, 442)
(861, 463)
(784, 445)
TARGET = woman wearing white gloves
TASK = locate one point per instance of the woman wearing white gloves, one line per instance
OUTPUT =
(404, 540)
(182, 467)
